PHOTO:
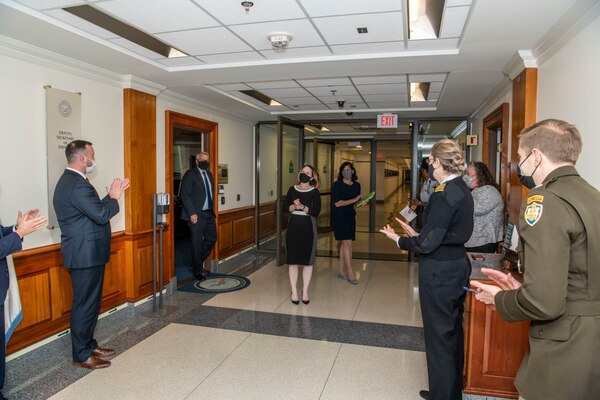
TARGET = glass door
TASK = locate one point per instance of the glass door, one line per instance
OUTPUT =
(289, 161)
(266, 185)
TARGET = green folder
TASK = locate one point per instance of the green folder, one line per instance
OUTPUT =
(367, 198)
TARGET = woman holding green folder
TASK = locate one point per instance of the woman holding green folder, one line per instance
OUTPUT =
(346, 193)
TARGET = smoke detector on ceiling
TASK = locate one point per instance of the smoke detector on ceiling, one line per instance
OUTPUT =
(280, 40)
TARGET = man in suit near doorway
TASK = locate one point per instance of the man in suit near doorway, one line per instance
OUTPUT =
(84, 221)
(197, 194)
(10, 242)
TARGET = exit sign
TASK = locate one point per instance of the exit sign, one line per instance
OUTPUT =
(387, 121)
(471, 140)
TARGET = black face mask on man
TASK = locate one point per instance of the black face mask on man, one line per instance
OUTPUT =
(304, 178)
(203, 165)
(526, 180)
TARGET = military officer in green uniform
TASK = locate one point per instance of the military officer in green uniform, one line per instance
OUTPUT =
(559, 228)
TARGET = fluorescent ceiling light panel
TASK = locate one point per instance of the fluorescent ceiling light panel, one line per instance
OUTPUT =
(424, 18)
(124, 30)
(419, 91)
(263, 98)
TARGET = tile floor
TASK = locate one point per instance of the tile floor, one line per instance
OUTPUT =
(351, 342)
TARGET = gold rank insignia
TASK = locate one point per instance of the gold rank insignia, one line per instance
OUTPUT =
(533, 212)
(535, 198)
(440, 188)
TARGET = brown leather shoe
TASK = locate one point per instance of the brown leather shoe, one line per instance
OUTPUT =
(100, 352)
(92, 363)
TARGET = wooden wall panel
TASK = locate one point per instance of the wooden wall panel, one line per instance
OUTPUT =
(524, 114)
(236, 230)
(46, 294)
(35, 299)
(140, 159)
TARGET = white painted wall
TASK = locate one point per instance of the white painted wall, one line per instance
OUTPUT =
(23, 136)
(568, 85)
(236, 148)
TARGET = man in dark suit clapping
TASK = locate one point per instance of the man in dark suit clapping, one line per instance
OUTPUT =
(10, 242)
(84, 222)
(197, 194)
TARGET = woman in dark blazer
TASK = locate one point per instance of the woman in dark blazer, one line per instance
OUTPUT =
(444, 269)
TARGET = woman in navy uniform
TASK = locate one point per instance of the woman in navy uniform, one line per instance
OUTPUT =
(444, 269)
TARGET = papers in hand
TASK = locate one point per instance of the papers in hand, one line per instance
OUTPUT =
(408, 214)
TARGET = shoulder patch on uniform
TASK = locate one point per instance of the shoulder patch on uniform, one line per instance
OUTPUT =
(440, 188)
(535, 198)
(533, 212)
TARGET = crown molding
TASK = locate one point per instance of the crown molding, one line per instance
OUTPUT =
(501, 90)
(143, 85)
(578, 17)
(518, 62)
(168, 95)
(36, 55)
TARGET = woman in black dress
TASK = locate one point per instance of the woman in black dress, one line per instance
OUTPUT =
(303, 201)
(444, 269)
(345, 192)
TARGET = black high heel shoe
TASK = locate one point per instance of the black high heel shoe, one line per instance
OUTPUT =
(296, 302)
(305, 301)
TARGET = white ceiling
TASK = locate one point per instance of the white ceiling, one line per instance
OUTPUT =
(326, 61)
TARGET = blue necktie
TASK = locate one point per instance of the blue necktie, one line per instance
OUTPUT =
(208, 191)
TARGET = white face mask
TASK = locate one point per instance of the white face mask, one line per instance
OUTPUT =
(91, 168)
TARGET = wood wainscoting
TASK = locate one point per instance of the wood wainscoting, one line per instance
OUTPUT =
(45, 285)
(235, 230)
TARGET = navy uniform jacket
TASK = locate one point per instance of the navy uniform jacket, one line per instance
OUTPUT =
(447, 223)
(10, 242)
(84, 221)
(193, 193)
(559, 227)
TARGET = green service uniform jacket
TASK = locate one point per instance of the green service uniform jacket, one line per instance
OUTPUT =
(560, 244)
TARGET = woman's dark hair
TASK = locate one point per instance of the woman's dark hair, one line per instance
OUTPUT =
(341, 176)
(425, 163)
(484, 176)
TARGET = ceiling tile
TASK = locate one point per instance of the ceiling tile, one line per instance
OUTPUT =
(272, 84)
(230, 87)
(432, 44)
(225, 58)
(302, 32)
(231, 12)
(290, 101)
(453, 21)
(427, 77)
(289, 92)
(198, 42)
(454, 3)
(327, 91)
(308, 107)
(317, 8)
(373, 80)
(136, 48)
(342, 30)
(324, 82)
(419, 104)
(305, 52)
(383, 89)
(384, 98)
(388, 104)
(180, 61)
(368, 48)
(436, 86)
(155, 16)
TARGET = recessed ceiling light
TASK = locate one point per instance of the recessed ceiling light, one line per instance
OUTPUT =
(419, 91)
(263, 98)
(124, 30)
(424, 18)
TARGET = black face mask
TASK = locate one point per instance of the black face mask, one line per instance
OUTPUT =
(304, 178)
(203, 165)
(430, 170)
(526, 180)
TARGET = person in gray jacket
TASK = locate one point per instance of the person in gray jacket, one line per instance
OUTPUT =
(489, 209)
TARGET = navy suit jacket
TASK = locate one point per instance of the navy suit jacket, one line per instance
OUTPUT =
(10, 242)
(84, 221)
(193, 193)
